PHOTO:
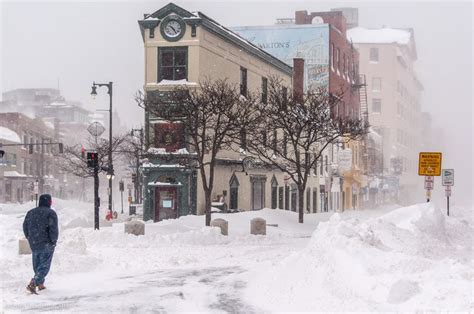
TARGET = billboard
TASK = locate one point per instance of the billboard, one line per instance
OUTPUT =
(285, 42)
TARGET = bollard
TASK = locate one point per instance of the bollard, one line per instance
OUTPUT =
(258, 226)
(23, 247)
(222, 224)
(135, 227)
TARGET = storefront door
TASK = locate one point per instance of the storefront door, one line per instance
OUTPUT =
(165, 203)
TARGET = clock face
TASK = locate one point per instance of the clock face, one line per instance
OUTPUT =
(173, 28)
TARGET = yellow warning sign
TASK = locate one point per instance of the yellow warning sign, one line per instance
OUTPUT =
(429, 164)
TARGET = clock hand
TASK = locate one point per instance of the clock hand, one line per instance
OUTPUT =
(173, 29)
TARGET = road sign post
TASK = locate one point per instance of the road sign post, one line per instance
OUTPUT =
(448, 181)
(429, 165)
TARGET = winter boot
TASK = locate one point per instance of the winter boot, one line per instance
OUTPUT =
(41, 287)
(31, 287)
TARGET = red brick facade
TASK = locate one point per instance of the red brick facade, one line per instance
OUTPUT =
(343, 60)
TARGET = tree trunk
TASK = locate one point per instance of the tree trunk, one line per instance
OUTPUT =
(301, 196)
(208, 207)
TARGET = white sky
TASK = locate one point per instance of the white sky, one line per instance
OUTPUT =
(75, 43)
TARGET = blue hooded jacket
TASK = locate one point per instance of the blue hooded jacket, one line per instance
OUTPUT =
(41, 224)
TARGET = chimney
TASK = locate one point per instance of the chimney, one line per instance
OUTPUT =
(298, 78)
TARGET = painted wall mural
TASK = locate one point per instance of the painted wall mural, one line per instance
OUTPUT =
(310, 42)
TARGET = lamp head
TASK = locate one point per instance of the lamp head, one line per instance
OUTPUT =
(94, 91)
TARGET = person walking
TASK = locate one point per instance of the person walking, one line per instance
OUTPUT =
(41, 229)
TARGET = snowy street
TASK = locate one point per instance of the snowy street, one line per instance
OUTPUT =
(411, 258)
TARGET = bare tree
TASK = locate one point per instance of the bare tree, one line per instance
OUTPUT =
(213, 115)
(292, 132)
(72, 160)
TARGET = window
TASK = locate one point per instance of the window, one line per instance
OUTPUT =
(376, 105)
(285, 145)
(308, 200)
(243, 81)
(284, 92)
(327, 164)
(25, 141)
(280, 197)
(243, 139)
(264, 90)
(376, 84)
(338, 63)
(172, 63)
(333, 53)
(275, 140)
(374, 55)
(344, 64)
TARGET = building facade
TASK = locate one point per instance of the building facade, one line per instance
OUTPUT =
(22, 165)
(387, 58)
(331, 62)
(202, 48)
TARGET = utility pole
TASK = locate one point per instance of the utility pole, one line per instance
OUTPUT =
(96, 195)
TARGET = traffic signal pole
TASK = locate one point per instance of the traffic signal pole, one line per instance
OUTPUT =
(96, 197)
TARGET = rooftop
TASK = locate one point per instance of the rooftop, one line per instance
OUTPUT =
(361, 35)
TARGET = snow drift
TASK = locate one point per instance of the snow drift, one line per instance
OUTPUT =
(413, 258)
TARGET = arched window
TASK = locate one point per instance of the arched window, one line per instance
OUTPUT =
(274, 184)
(234, 192)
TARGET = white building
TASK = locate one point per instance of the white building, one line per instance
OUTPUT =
(387, 58)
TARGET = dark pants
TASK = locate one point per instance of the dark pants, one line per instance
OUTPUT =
(41, 263)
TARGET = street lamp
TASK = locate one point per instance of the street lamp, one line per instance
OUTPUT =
(110, 172)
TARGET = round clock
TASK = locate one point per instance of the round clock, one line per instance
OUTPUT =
(172, 28)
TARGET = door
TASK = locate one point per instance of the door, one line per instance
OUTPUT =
(166, 203)
(258, 193)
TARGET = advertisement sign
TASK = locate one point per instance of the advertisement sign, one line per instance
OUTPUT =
(429, 164)
(448, 177)
(310, 42)
(344, 160)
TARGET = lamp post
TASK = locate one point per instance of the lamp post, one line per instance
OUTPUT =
(110, 170)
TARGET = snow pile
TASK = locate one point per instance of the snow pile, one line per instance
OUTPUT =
(9, 135)
(404, 260)
(361, 35)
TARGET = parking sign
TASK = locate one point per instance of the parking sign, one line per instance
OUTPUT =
(448, 177)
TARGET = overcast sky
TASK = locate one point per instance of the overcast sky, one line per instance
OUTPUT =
(70, 44)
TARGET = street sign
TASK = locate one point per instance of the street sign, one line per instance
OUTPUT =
(448, 190)
(35, 187)
(96, 129)
(429, 164)
(429, 182)
(428, 185)
(448, 177)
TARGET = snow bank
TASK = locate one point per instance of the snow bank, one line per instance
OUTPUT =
(403, 260)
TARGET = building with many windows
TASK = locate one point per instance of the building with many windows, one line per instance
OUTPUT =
(331, 62)
(184, 48)
(22, 165)
(387, 58)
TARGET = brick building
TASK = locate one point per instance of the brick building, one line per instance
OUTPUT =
(22, 167)
(330, 62)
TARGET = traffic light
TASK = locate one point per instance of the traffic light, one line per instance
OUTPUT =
(92, 159)
(121, 186)
(134, 177)
(61, 148)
